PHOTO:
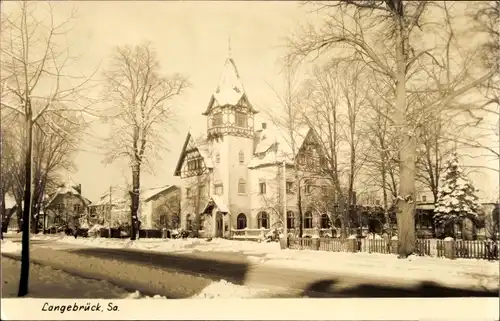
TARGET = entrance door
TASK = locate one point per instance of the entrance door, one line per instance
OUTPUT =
(218, 225)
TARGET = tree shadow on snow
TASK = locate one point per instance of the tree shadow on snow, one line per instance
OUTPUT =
(218, 266)
(330, 288)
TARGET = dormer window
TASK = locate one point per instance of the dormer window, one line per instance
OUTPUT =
(217, 120)
(241, 119)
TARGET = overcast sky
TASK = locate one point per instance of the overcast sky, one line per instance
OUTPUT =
(191, 38)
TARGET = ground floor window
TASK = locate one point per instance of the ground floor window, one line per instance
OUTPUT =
(189, 222)
(241, 221)
(308, 220)
(263, 220)
(290, 219)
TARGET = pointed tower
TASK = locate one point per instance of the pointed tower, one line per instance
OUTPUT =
(230, 133)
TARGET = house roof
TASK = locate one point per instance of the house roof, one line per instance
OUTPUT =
(273, 146)
(217, 201)
(203, 150)
(151, 192)
(230, 90)
(119, 194)
(65, 189)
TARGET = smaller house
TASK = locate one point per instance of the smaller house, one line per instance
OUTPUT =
(112, 209)
(65, 207)
(160, 207)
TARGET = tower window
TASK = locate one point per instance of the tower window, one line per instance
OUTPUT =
(262, 188)
(219, 188)
(217, 119)
(241, 157)
(241, 186)
(241, 119)
(217, 158)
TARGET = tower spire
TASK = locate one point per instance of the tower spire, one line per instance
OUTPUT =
(229, 47)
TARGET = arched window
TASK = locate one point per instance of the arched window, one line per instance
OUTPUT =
(189, 222)
(325, 221)
(241, 222)
(241, 186)
(219, 188)
(290, 219)
(308, 220)
(241, 157)
(263, 220)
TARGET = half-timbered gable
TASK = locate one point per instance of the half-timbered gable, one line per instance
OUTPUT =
(194, 159)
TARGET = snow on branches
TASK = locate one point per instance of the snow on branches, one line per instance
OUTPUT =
(456, 195)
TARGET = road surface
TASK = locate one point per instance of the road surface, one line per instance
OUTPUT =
(242, 269)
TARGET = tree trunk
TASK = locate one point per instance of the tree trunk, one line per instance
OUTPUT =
(5, 219)
(299, 207)
(25, 252)
(134, 194)
(407, 153)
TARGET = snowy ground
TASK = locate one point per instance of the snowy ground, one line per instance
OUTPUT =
(45, 281)
(463, 272)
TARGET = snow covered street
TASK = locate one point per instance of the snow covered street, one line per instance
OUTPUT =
(466, 273)
(47, 282)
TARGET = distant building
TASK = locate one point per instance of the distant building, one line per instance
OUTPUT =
(65, 207)
(160, 207)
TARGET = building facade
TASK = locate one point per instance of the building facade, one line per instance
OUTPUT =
(240, 175)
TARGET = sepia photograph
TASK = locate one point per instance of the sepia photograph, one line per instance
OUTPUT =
(290, 151)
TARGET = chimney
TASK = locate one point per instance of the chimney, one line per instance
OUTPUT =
(264, 125)
(78, 188)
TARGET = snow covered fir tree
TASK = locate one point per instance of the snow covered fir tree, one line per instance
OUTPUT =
(457, 202)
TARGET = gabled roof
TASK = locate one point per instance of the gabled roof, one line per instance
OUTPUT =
(151, 192)
(65, 189)
(274, 147)
(230, 90)
(218, 202)
(201, 149)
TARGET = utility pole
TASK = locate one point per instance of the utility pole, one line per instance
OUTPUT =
(110, 206)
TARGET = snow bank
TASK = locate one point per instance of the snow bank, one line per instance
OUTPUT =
(10, 247)
(216, 290)
(227, 290)
(168, 245)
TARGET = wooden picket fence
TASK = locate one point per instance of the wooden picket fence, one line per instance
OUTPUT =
(423, 247)
(477, 249)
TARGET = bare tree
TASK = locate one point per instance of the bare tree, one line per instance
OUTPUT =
(34, 60)
(140, 111)
(290, 123)
(384, 34)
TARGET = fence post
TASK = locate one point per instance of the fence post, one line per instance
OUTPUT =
(449, 248)
(352, 244)
(394, 244)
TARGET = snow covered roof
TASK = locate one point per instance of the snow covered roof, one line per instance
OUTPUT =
(65, 189)
(10, 201)
(202, 149)
(118, 195)
(230, 90)
(150, 192)
(217, 201)
(273, 146)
